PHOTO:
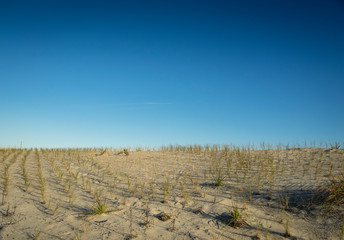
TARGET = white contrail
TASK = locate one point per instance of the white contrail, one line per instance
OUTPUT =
(152, 103)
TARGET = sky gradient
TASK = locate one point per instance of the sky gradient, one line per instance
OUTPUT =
(151, 73)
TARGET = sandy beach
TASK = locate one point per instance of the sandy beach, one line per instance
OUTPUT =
(171, 193)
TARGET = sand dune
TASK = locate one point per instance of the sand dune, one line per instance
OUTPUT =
(170, 194)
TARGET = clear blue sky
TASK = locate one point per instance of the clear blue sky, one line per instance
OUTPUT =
(150, 73)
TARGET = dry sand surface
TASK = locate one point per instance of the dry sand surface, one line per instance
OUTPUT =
(171, 194)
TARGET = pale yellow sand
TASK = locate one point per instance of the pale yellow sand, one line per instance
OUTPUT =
(258, 182)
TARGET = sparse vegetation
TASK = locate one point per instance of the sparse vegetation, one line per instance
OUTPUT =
(236, 217)
(99, 208)
(198, 181)
(287, 229)
(166, 189)
(55, 209)
(330, 193)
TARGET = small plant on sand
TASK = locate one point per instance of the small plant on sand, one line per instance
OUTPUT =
(196, 209)
(134, 190)
(183, 188)
(216, 170)
(332, 193)
(131, 231)
(49, 203)
(99, 208)
(10, 212)
(194, 183)
(284, 201)
(36, 235)
(174, 217)
(27, 181)
(75, 176)
(60, 175)
(256, 237)
(166, 189)
(43, 189)
(25, 174)
(215, 196)
(204, 192)
(66, 184)
(77, 235)
(128, 182)
(56, 208)
(42, 180)
(152, 190)
(259, 183)
(6, 179)
(146, 222)
(218, 177)
(236, 217)
(71, 199)
(336, 190)
(287, 229)
(270, 191)
(84, 227)
(142, 192)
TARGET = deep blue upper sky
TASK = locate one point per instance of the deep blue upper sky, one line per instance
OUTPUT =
(150, 73)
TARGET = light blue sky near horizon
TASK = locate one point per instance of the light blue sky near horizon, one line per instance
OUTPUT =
(100, 74)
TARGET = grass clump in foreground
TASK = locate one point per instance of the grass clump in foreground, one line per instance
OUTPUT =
(235, 218)
(99, 208)
(331, 194)
(218, 177)
(336, 191)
